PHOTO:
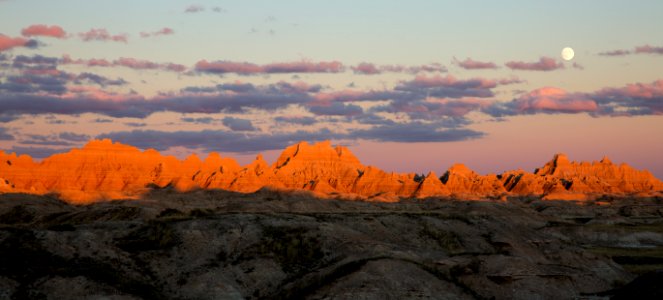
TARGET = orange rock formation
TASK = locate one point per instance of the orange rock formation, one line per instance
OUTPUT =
(106, 170)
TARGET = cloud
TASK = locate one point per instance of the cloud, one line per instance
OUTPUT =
(4, 135)
(36, 65)
(6, 118)
(553, 100)
(470, 64)
(649, 49)
(128, 62)
(73, 137)
(336, 109)
(102, 120)
(615, 53)
(246, 68)
(99, 80)
(237, 124)
(45, 140)
(448, 87)
(232, 141)
(545, 100)
(434, 108)
(101, 34)
(7, 43)
(44, 30)
(372, 69)
(633, 99)
(296, 120)
(511, 80)
(366, 68)
(34, 83)
(203, 120)
(544, 64)
(162, 31)
(644, 49)
(414, 132)
(354, 95)
(135, 124)
(216, 140)
(36, 152)
(194, 8)
(28, 99)
(20, 61)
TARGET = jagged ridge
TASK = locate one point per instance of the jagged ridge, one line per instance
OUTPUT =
(106, 170)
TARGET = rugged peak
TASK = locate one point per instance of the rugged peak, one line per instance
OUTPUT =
(606, 160)
(460, 169)
(561, 159)
(104, 169)
(558, 164)
(321, 151)
(259, 161)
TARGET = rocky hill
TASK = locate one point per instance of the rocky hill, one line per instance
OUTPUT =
(106, 170)
(213, 244)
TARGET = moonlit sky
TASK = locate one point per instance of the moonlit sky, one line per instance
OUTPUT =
(408, 86)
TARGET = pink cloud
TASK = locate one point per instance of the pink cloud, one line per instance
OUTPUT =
(634, 99)
(163, 31)
(228, 67)
(135, 63)
(544, 64)
(365, 68)
(550, 99)
(44, 30)
(174, 67)
(470, 64)
(649, 49)
(652, 90)
(7, 43)
(94, 93)
(132, 63)
(246, 68)
(100, 34)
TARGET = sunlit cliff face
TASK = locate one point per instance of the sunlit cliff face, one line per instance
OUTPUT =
(106, 170)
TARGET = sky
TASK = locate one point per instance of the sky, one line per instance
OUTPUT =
(408, 86)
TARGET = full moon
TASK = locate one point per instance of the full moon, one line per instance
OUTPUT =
(567, 53)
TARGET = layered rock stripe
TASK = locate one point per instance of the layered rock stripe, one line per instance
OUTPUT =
(104, 170)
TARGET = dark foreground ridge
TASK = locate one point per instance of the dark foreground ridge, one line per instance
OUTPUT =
(212, 244)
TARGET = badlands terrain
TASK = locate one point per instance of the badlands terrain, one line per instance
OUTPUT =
(213, 244)
(106, 170)
(109, 221)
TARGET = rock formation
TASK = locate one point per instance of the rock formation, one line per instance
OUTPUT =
(106, 170)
